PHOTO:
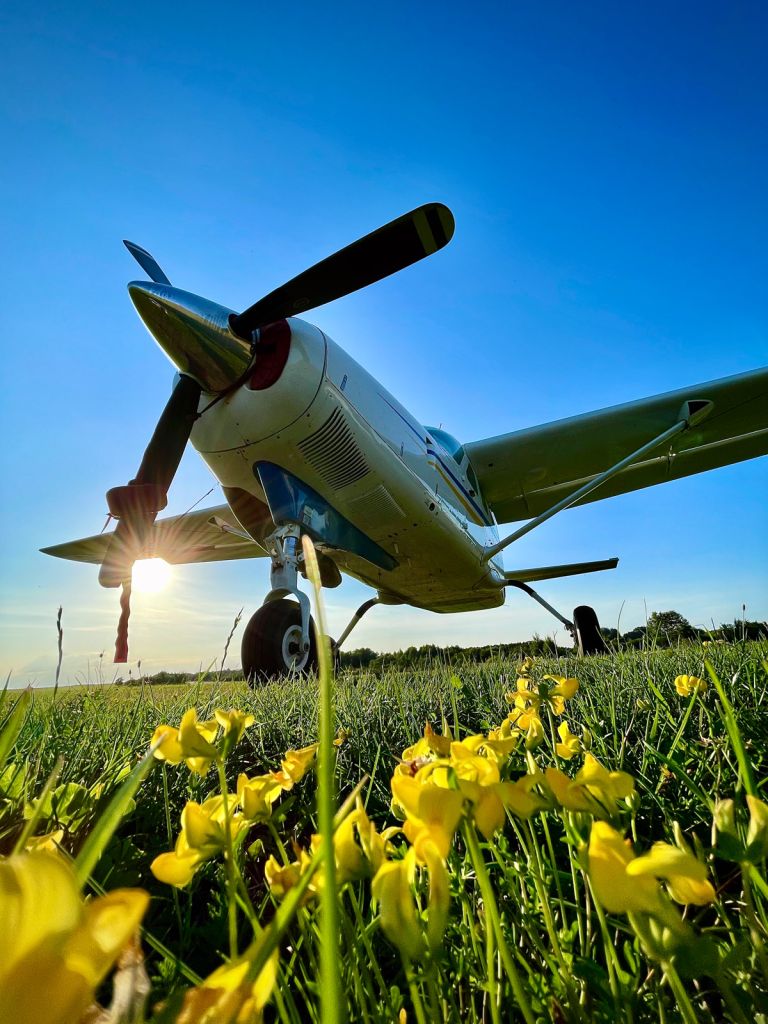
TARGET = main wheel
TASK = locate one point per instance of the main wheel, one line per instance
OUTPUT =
(588, 637)
(271, 644)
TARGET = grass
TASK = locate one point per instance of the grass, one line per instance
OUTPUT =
(524, 936)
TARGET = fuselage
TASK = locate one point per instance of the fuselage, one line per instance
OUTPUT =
(408, 488)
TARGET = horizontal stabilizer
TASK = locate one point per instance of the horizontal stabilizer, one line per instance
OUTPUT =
(205, 535)
(552, 572)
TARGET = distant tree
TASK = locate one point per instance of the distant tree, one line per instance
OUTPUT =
(667, 628)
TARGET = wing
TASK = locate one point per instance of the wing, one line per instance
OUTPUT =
(524, 473)
(207, 535)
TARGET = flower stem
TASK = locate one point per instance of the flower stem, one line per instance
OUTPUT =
(229, 860)
(492, 915)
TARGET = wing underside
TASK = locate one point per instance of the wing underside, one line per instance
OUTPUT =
(207, 535)
(524, 473)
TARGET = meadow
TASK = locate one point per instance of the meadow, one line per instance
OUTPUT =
(542, 851)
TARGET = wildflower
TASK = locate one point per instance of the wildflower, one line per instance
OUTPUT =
(429, 747)
(342, 735)
(569, 745)
(50, 842)
(685, 876)
(203, 835)
(359, 848)
(562, 691)
(191, 742)
(609, 857)
(165, 740)
(757, 832)
(283, 877)
(234, 723)
(295, 765)
(256, 796)
(439, 889)
(196, 739)
(687, 685)
(428, 807)
(534, 735)
(229, 996)
(524, 716)
(594, 789)
(55, 950)
(502, 741)
(391, 888)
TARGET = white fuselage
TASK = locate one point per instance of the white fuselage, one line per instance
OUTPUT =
(332, 425)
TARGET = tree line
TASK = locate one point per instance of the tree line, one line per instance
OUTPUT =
(663, 629)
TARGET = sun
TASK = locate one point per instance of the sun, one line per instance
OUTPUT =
(151, 575)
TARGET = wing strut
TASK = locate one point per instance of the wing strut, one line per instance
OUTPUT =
(691, 414)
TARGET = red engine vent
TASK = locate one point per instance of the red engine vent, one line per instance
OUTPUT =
(271, 355)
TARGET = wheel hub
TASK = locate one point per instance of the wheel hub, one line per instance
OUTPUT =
(293, 656)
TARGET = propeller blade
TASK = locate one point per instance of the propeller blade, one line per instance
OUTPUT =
(136, 504)
(391, 248)
(147, 262)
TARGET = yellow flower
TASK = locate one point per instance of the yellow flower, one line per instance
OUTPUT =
(228, 996)
(686, 685)
(525, 717)
(55, 950)
(562, 691)
(534, 735)
(428, 807)
(618, 892)
(757, 833)
(203, 835)
(594, 789)
(391, 888)
(196, 739)
(49, 842)
(439, 889)
(282, 877)
(359, 848)
(191, 742)
(234, 723)
(295, 765)
(430, 746)
(342, 735)
(685, 876)
(256, 796)
(168, 747)
(569, 745)
(502, 741)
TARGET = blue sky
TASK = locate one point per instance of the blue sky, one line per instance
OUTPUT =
(606, 165)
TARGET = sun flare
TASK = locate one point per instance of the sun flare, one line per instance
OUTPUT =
(151, 575)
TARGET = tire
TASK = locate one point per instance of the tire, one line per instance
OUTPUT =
(271, 643)
(589, 639)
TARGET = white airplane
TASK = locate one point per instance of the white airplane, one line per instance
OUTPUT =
(303, 440)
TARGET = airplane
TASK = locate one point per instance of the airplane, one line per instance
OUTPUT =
(304, 441)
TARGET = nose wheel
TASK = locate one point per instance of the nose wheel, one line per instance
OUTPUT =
(272, 643)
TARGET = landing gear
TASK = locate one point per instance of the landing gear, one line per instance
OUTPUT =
(586, 631)
(272, 643)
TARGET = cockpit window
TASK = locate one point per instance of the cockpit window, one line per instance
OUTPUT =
(448, 443)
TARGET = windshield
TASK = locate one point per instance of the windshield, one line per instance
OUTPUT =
(448, 442)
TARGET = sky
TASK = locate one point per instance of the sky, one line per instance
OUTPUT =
(606, 165)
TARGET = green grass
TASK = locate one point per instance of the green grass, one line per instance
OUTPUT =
(574, 963)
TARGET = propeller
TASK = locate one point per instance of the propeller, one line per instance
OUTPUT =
(147, 262)
(136, 504)
(375, 256)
